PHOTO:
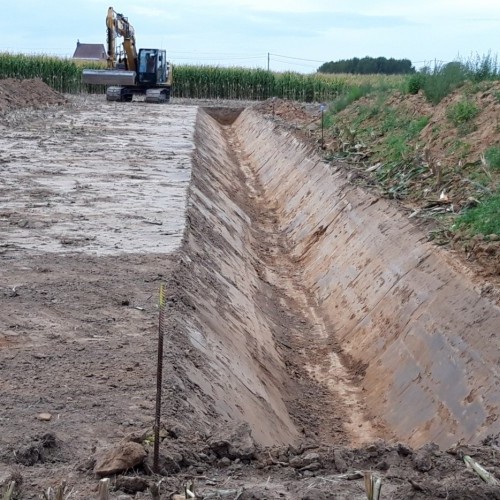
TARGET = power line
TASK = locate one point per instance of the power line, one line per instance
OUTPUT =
(297, 58)
(218, 58)
(294, 64)
(236, 54)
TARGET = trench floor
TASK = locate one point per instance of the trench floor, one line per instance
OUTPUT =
(309, 348)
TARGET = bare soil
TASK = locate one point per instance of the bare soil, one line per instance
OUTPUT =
(78, 320)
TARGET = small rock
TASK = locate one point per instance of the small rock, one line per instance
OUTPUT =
(297, 462)
(121, 458)
(44, 417)
(404, 450)
(169, 463)
(225, 462)
(422, 460)
(131, 484)
(312, 457)
(29, 455)
(311, 467)
(422, 463)
(340, 463)
(383, 465)
(237, 443)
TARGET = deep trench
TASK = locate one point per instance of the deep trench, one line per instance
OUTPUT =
(319, 307)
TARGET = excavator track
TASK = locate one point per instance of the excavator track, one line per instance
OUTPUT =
(120, 94)
(159, 96)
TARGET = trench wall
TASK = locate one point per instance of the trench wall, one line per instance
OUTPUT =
(428, 342)
(240, 376)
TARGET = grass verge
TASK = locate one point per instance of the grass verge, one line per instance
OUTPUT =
(482, 219)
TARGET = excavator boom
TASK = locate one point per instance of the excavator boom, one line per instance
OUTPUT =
(118, 25)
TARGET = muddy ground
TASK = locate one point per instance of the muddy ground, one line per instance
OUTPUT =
(91, 222)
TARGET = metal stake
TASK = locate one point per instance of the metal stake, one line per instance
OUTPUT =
(159, 377)
(322, 107)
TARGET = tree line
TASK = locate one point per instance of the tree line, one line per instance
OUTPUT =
(368, 66)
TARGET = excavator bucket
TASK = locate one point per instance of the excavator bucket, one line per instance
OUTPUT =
(108, 77)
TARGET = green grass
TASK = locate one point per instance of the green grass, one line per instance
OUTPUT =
(460, 147)
(417, 125)
(483, 219)
(443, 80)
(397, 152)
(348, 96)
(492, 156)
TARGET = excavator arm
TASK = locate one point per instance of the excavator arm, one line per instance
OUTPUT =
(118, 26)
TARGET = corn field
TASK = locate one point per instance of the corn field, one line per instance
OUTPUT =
(209, 82)
(201, 82)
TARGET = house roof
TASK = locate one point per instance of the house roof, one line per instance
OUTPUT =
(90, 51)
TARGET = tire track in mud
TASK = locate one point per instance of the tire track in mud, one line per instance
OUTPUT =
(308, 350)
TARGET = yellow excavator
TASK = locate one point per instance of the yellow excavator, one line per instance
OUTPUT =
(129, 72)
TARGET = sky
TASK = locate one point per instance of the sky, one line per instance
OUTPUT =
(298, 35)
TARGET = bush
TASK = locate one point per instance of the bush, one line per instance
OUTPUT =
(462, 112)
(415, 83)
(444, 80)
(483, 68)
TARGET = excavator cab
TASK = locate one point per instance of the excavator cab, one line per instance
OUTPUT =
(152, 67)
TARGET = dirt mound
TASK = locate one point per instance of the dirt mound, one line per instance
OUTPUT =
(35, 93)
(291, 112)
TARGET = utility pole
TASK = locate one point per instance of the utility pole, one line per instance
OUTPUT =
(268, 59)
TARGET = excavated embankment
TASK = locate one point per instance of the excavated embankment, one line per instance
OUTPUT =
(309, 302)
